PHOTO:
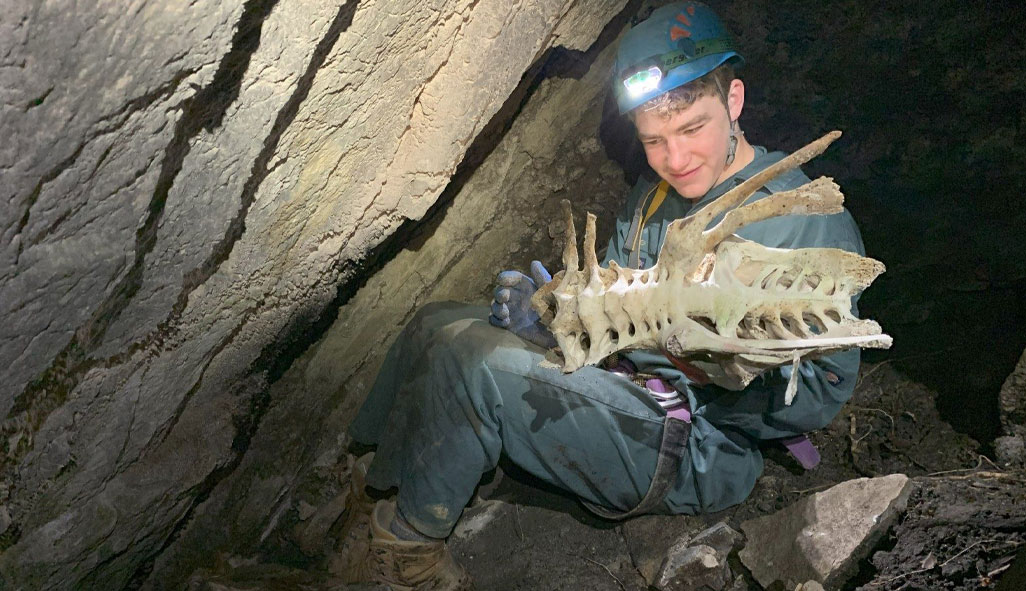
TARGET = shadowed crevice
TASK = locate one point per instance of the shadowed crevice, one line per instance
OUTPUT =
(259, 171)
(256, 388)
(137, 104)
(51, 175)
(203, 111)
(32, 104)
(142, 102)
(555, 62)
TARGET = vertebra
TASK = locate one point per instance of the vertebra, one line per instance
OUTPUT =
(729, 306)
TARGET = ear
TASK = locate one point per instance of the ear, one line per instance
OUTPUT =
(735, 99)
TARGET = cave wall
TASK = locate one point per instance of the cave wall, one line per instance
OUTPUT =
(191, 189)
(186, 185)
(504, 213)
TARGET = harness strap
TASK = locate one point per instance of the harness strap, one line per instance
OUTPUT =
(671, 451)
(641, 217)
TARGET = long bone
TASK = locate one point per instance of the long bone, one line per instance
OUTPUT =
(731, 307)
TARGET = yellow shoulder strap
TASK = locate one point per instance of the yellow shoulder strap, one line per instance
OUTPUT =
(660, 196)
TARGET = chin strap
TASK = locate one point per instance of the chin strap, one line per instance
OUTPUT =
(735, 133)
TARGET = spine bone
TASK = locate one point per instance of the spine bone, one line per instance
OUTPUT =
(714, 298)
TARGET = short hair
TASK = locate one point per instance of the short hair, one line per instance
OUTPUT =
(673, 101)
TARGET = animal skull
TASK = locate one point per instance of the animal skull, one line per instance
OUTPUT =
(728, 306)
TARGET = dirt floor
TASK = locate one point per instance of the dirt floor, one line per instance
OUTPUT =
(965, 523)
(964, 527)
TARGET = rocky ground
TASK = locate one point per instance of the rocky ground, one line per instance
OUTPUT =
(964, 526)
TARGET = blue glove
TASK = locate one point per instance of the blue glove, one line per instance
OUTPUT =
(511, 306)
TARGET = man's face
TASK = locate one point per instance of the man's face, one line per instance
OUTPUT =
(688, 149)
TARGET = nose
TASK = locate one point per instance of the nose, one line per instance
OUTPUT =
(678, 155)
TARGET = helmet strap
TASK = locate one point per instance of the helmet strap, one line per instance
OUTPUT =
(732, 141)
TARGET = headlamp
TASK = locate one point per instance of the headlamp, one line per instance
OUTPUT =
(643, 81)
(644, 77)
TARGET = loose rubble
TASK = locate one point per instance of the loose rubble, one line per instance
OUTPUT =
(964, 525)
(822, 536)
(700, 564)
(1011, 447)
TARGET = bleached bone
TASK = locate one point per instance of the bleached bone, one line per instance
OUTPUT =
(728, 306)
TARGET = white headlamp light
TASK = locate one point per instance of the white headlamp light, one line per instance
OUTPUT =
(643, 81)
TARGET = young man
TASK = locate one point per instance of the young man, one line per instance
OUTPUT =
(460, 385)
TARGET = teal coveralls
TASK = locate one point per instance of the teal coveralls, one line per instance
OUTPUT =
(454, 392)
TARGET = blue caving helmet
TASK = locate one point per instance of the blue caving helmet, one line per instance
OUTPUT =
(678, 43)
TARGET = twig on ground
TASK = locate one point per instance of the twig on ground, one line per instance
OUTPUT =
(879, 410)
(852, 431)
(815, 488)
(991, 462)
(998, 570)
(983, 474)
(979, 462)
(863, 377)
(604, 567)
(907, 455)
(941, 565)
(516, 520)
(627, 548)
(865, 435)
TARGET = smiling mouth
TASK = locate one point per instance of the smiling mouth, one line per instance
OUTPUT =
(685, 175)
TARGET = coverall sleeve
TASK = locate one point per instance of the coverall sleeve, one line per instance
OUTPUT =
(759, 410)
(824, 384)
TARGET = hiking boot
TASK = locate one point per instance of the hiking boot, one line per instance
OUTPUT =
(354, 541)
(410, 565)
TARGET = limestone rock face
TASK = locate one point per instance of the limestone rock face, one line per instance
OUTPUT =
(498, 219)
(185, 187)
(823, 536)
(1011, 448)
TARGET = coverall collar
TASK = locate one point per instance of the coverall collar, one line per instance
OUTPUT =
(756, 165)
